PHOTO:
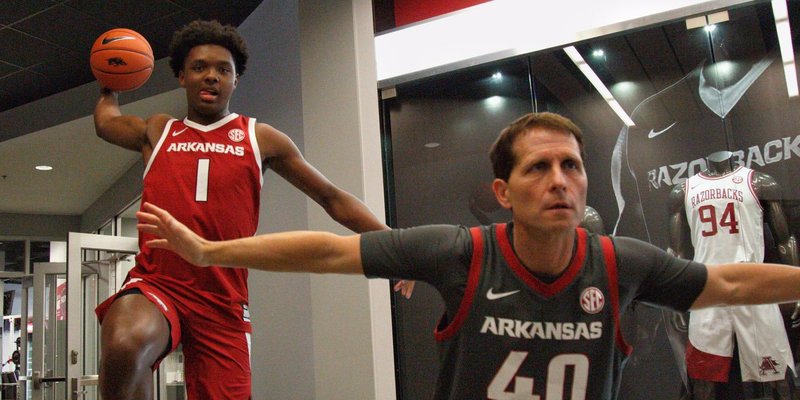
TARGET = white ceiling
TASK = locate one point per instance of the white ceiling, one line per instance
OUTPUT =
(84, 166)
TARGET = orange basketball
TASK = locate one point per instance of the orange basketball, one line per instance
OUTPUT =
(121, 59)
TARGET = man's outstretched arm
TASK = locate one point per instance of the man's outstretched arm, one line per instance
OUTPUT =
(747, 283)
(300, 251)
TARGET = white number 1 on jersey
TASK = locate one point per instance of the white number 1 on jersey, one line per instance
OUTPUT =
(201, 191)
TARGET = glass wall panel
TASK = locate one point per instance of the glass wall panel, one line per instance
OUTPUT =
(440, 131)
(690, 91)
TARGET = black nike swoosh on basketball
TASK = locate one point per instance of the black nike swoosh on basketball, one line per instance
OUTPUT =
(108, 40)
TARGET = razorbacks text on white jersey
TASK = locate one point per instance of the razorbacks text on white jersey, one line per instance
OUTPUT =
(725, 218)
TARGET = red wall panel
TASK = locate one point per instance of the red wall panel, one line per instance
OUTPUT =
(410, 11)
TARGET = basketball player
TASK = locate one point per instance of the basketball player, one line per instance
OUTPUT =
(722, 210)
(532, 306)
(206, 169)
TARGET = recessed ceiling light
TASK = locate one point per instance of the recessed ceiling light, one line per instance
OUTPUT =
(44, 167)
(431, 145)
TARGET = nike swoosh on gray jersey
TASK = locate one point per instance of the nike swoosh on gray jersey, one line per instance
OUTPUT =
(653, 133)
(494, 296)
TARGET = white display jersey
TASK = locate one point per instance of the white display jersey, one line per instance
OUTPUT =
(725, 218)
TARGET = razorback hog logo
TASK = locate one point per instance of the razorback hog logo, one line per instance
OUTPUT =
(768, 364)
(116, 61)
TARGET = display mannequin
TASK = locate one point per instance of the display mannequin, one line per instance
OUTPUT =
(592, 221)
(717, 216)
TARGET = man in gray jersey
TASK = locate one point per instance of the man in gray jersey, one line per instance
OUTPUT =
(533, 305)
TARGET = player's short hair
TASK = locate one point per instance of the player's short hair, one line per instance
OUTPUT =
(502, 155)
(198, 33)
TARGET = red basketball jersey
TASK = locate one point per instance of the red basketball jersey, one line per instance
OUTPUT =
(209, 177)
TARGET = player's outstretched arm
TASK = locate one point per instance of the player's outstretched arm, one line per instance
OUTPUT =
(300, 251)
(748, 283)
(283, 157)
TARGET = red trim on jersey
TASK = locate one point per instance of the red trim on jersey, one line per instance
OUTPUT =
(543, 288)
(469, 291)
(706, 366)
(610, 256)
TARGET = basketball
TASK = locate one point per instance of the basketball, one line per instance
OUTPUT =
(121, 60)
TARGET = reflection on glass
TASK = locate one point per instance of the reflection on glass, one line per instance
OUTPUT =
(12, 255)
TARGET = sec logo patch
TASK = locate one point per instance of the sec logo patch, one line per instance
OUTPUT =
(592, 300)
(236, 135)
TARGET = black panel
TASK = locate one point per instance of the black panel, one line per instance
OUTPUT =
(76, 32)
(383, 15)
(15, 10)
(159, 32)
(125, 14)
(29, 50)
(224, 11)
(7, 69)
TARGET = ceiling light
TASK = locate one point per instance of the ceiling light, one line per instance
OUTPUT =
(494, 102)
(432, 145)
(43, 167)
(576, 58)
(497, 76)
(710, 28)
(779, 10)
(598, 53)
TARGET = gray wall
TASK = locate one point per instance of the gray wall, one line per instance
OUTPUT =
(315, 336)
(123, 192)
(53, 227)
(270, 90)
(352, 317)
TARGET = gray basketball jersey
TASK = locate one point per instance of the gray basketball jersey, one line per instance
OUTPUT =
(534, 339)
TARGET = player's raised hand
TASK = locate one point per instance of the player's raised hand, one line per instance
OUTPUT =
(171, 234)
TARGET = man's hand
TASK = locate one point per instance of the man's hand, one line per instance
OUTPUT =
(405, 288)
(172, 234)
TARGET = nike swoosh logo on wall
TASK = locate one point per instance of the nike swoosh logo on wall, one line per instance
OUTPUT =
(108, 40)
(653, 133)
(176, 133)
(494, 296)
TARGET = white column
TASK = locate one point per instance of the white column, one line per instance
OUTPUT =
(353, 350)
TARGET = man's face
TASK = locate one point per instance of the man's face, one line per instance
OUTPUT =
(546, 190)
(209, 76)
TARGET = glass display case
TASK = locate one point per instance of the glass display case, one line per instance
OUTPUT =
(684, 90)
